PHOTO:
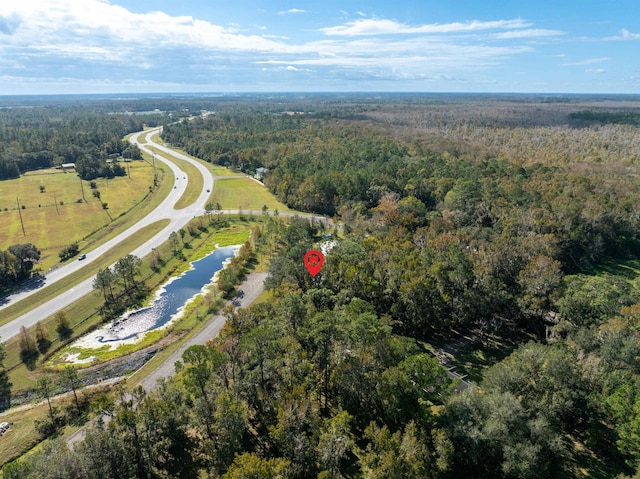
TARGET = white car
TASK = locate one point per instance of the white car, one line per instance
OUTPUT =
(4, 426)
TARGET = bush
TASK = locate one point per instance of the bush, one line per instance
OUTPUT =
(69, 252)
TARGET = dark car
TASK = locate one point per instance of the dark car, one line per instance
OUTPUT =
(82, 256)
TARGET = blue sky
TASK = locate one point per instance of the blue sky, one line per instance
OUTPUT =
(131, 46)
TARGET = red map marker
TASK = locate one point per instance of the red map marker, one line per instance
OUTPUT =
(313, 261)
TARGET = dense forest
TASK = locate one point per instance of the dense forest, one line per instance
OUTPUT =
(44, 137)
(502, 218)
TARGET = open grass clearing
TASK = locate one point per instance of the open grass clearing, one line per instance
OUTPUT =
(244, 194)
(472, 356)
(629, 268)
(45, 212)
(194, 177)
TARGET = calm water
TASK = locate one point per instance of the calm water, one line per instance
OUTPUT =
(170, 299)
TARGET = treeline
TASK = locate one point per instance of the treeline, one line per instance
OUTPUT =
(229, 138)
(39, 137)
(628, 118)
(16, 264)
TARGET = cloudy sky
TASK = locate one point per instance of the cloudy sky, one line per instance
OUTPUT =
(120, 46)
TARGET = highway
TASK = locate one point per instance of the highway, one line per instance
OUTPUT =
(166, 210)
(178, 219)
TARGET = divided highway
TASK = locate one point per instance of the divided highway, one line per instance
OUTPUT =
(166, 210)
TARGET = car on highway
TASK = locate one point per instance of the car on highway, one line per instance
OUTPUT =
(82, 256)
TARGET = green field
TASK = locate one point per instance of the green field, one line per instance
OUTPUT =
(243, 194)
(45, 213)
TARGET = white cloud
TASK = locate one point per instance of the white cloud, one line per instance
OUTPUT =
(422, 59)
(81, 26)
(373, 26)
(595, 70)
(95, 39)
(625, 35)
(527, 33)
(588, 61)
(291, 11)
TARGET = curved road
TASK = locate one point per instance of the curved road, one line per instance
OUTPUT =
(178, 219)
(166, 210)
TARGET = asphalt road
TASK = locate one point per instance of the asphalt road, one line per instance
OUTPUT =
(166, 210)
(252, 287)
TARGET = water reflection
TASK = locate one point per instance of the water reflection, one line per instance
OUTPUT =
(168, 304)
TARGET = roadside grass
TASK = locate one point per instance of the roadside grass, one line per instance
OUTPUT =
(23, 435)
(244, 194)
(264, 297)
(216, 170)
(194, 177)
(47, 293)
(43, 213)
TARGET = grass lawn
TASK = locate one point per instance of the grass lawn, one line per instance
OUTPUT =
(86, 223)
(243, 194)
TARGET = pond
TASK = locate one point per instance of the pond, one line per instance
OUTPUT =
(168, 304)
